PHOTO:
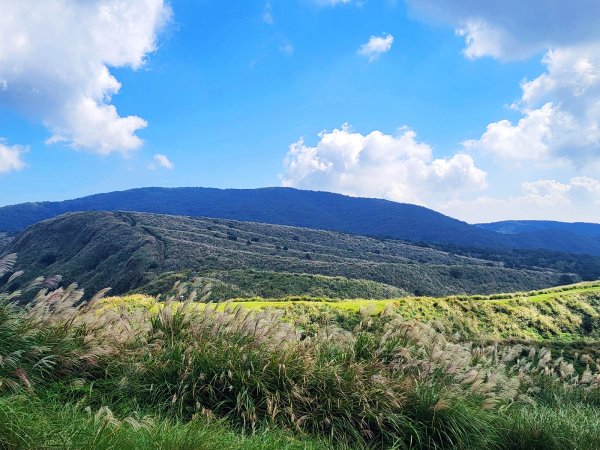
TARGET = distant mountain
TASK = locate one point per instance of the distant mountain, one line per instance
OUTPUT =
(129, 251)
(528, 226)
(282, 206)
(578, 237)
(316, 210)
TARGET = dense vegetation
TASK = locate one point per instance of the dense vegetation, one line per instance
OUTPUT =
(95, 375)
(127, 251)
(30, 422)
(225, 285)
(585, 266)
(317, 210)
(566, 314)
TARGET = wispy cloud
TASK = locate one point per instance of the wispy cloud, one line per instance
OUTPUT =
(287, 48)
(161, 161)
(376, 46)
(11, 157)
(507, 30)
(331, 2)
(268, 14)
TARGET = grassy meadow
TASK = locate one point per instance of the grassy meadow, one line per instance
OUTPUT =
(413, 373)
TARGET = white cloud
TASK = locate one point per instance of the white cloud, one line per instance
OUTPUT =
(561, 113)
(54, 65)
(10, 157)
(550, 192)
(559, 123)
(376, 46)
(560, 109)
(529, 139)
(482, 39)
(511, 29)
(588, 185)
(397, 167)
(163, 162)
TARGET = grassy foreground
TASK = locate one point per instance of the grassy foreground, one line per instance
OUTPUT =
(30, 422)
(94, 375)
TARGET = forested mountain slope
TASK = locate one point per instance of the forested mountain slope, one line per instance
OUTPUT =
(283, 206)
(316, 210)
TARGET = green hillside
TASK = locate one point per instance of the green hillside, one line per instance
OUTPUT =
(239, 283)
(128, 251)
(565, 314)
(562, 314)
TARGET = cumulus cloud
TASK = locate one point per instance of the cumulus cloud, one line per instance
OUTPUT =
(11, 157)
(511, 29)
(551, 192)
(54, 65)
(560, 109)
(529, 139)
(396, 167)
(162, 161)
(376, 46)
(561, 113)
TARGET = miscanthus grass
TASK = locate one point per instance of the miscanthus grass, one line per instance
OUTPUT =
(100, 377)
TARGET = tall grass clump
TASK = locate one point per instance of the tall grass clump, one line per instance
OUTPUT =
(255, 370)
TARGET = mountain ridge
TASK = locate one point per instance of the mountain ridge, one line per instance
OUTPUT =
(309, 209)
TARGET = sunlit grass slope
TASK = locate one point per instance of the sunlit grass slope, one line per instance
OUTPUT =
(564, 313)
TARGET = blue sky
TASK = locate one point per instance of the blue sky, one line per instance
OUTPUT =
(410, 101)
